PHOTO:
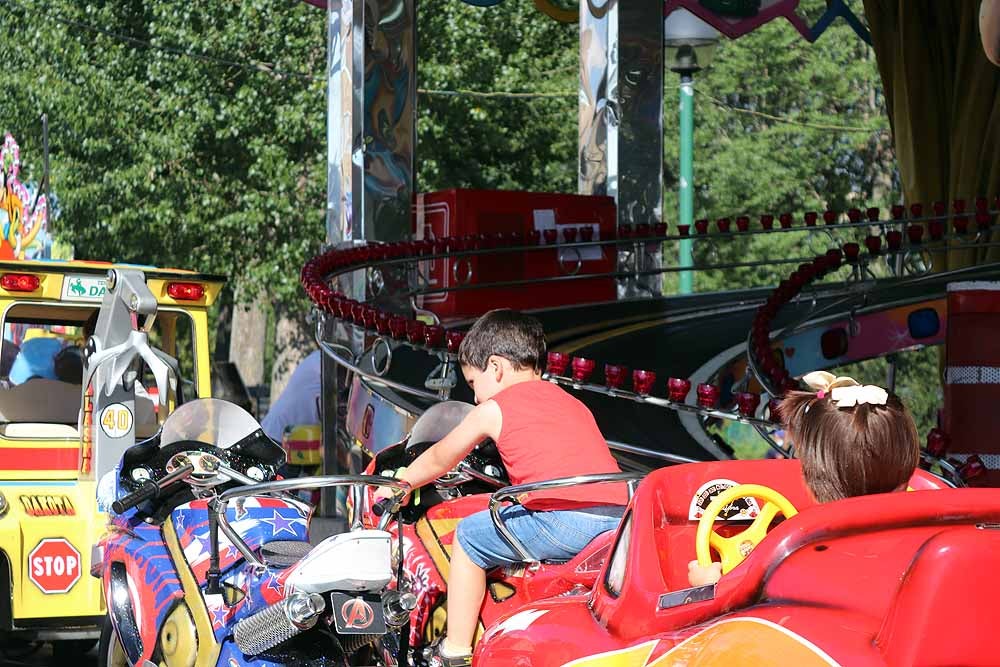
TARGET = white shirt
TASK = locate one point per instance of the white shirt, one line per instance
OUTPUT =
(298, 404)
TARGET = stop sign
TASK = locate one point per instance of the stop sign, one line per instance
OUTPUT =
(54, 565)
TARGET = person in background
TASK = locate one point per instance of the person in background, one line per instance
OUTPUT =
(68, 364)
(36, 358)
(298, 404)
(8, 353)
(989, 29)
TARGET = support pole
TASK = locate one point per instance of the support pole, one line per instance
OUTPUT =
(621, 118)
(45, 174)
(686, 190)
(370, 107)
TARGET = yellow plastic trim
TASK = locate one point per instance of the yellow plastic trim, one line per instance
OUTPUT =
(208, 648)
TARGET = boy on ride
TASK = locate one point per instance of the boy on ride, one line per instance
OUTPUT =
(541, 433)
(852, 440)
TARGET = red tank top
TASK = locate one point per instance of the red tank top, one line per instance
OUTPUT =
(547, 434)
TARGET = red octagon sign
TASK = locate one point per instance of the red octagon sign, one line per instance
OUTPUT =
(54, 565)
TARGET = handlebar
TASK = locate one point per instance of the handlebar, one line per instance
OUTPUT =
(150, 489)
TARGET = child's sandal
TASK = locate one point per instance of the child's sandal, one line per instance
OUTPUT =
(435, 658)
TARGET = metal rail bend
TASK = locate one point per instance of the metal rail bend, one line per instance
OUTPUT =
(511, 493)
(372, 378)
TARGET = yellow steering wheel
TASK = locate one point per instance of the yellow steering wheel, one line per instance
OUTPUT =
(735, 549)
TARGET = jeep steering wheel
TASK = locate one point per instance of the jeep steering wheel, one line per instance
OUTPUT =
(735, 549)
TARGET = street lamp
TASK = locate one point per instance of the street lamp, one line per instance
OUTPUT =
(689, 44)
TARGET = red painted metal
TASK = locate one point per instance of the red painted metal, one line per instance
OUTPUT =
(39, 458)
(489, 212)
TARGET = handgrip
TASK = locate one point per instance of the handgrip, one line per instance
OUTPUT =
(147, 491)
(150, 489)
(382, 506)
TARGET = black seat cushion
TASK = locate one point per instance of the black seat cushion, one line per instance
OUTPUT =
(284, 553)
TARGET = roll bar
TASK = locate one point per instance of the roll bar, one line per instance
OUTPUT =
(511, 493)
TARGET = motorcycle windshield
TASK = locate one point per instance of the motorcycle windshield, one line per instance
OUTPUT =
(210, 421)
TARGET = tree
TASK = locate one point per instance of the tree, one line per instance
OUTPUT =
(504, 141)
(188, 134)
(783, 125)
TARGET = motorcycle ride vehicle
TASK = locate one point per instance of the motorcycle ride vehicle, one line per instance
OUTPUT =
(429, 521)
(208, 561)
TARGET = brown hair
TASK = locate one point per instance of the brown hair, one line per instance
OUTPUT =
(852, 451)
(516, 337)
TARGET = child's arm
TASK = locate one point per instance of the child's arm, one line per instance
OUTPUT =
(483, 422)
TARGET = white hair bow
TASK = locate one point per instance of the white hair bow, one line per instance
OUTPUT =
(845, 392)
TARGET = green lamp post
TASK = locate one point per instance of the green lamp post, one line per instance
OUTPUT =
(689, 44)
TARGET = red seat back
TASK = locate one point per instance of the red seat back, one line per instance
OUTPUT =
(940, 611)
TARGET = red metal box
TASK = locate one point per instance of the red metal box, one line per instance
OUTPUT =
(464, 212)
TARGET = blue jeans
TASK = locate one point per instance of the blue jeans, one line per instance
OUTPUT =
(548, 535)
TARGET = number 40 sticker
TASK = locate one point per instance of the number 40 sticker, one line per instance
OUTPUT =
(116, 420)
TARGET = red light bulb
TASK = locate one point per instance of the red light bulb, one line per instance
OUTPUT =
(677, 389)
(582, 369)
(557, 363)
(747, 403)
(937, 442)
(415, 331)
(433, 336)
(614, 375)
(708, 395)
(454, 339)
(643, 381)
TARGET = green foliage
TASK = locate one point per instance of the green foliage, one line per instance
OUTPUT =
(783, 126)
(179, 159)
(498, 142)
(170, 159)
(917, 382)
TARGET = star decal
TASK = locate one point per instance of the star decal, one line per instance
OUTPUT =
(275, 584)
(179, 522)
(205, 541)
(280, 524)
(219, 617)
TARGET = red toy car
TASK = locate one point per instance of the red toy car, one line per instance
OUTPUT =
(891, 579)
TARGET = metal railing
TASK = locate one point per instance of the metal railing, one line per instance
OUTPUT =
(512, 493)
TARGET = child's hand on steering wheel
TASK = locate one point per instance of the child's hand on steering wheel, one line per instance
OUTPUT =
(703, 575)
